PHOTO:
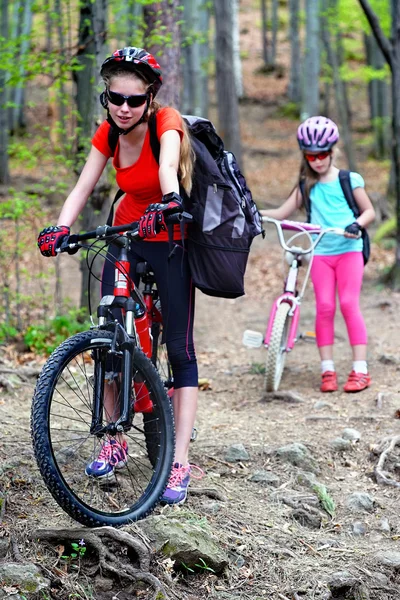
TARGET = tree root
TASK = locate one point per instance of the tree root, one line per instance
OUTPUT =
(210, 492)
(381, 478)
(23, 372)
(108, 562)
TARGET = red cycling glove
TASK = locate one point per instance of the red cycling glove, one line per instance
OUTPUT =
(153, 220)
(49, 239)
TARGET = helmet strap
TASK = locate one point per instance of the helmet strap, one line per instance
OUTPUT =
(121, 131)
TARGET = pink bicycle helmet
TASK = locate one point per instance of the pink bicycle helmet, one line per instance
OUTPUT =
(135, 59)
(317, 134)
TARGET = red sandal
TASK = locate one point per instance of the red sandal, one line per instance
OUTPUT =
(357, 382)
(329, 382)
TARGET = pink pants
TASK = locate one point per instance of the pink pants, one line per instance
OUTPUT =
(346, 272)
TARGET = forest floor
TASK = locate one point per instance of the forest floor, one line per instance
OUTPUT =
(268, 529)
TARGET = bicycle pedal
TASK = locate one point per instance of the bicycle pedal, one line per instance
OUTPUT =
(307, 336)
(252, 339)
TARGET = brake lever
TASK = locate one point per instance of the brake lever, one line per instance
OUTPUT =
(70, 245)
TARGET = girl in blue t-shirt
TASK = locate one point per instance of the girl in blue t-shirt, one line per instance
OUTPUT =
(338, 262)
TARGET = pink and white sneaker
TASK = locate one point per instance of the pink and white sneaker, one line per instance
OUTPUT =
(113, 455)
(177, 488)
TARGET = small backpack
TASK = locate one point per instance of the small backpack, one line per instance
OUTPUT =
(344, 180)
(225, 216)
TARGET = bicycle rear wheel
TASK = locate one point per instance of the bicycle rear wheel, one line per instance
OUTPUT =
(64, 445)
(276, 354)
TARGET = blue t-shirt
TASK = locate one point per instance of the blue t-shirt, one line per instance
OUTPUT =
(329, 208)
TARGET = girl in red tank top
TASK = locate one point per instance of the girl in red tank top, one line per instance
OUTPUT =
(132, 79)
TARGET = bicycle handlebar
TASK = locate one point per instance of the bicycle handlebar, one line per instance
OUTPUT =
(300, 227)
(107, 231)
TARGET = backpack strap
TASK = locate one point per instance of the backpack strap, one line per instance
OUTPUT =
(154, 141)
(113, 137)
(344, 179)
(111, 213)
(306, 200)
(155, 148)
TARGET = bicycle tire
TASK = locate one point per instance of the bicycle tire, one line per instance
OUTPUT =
(63, 445)
(161, 362)
(276, 354)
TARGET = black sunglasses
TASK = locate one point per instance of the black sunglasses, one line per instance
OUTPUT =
(120, 99)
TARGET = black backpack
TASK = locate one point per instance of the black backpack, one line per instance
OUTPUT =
(344, 180)
(225, 217)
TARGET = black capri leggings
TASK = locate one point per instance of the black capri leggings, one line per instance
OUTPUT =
(176, 290)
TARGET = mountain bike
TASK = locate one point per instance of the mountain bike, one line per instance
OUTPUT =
(282, 329)
(103, 384)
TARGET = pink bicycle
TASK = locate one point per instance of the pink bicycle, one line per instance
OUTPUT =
(282, 329)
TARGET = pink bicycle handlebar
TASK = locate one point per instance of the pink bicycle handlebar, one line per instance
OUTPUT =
(300, 226)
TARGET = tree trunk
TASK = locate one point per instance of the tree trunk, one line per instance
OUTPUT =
(275, 25)
(311, 61)
(378, 94)
(340, 97)
(19, 121)
(391, 52)
(194, 76)
(396, 128)
(60, 95)
(166, 14)
(4, 172)
(237, 63)
(228, 108)
(204, 24)
(264, 31)
(92, 32)
(294, 89)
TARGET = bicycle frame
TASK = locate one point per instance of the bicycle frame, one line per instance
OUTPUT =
(294, 254)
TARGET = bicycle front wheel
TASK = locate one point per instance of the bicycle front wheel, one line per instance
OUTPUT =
(276, 354)
(64, 444)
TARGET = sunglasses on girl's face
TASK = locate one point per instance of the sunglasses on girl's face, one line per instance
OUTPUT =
(320, 156)
(120, 99)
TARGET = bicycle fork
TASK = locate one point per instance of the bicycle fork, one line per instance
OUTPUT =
(294, 312)
(122, 348)
(294, 300)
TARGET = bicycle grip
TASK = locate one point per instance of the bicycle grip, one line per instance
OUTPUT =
(65, 245)
(178, 217)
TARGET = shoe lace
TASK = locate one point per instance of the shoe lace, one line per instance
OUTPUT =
(200, 474)
(109, 449)
(179, 473)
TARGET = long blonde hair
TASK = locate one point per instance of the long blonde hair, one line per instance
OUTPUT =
(186, 154)
(310, 177)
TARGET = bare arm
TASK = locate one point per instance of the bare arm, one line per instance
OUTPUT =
(287, 208)
(367, 212)
(170, 144)
(77, 199)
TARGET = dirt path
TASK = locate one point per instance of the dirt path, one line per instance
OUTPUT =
(271, 552)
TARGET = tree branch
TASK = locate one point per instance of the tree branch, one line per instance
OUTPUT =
(382, 41)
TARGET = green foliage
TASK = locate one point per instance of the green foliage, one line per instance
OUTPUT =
(7, 332)
(78, 551)
(44, 338)
(325, 498)
(257, 369)
(203, 566)
(386, 230)
(290, 110)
